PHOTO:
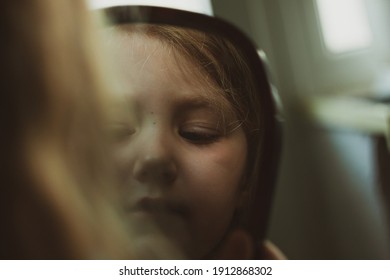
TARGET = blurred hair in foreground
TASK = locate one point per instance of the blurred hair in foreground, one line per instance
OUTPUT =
(57, 196)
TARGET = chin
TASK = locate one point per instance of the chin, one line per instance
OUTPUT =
(152, 226)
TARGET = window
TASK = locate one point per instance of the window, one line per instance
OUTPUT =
(345, 25)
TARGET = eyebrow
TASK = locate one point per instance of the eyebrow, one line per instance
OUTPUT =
(219, 106)
(197, 102)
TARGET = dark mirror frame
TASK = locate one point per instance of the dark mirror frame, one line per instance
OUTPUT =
(267, 169)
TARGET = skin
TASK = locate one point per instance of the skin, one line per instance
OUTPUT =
(177, 165)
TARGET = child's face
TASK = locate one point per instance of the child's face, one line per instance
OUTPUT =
(177, 166)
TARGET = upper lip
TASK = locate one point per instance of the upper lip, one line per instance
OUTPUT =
(158, 205)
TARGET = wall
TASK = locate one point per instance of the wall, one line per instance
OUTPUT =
(327, 204)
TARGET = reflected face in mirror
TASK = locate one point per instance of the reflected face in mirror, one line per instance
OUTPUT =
(179, 151)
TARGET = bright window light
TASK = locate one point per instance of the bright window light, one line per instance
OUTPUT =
(198, 6)
(345, 25)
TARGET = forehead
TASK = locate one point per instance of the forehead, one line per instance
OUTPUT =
(148, 65)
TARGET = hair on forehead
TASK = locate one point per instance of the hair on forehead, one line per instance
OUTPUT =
(192, 57)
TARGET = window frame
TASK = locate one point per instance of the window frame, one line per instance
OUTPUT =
(313, 68)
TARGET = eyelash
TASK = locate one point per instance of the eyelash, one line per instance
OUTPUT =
(200, 137)
(195, 135)
(120, 133)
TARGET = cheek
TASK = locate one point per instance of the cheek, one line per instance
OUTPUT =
(122, 156)
(217, 169)
(213, 180)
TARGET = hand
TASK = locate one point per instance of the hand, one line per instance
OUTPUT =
(238, 245)
(269, 251)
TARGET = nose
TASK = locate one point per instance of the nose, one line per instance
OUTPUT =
(155, 162)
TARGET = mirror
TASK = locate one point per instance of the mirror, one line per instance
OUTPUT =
(196, 141)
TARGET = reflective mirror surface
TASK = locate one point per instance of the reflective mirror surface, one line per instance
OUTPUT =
(196, 139)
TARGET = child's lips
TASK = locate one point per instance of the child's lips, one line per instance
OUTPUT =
(161, 218)
(158, 206)
(170, 218)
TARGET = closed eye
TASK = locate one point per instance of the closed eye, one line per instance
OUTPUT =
(200, 135)
(119, 132)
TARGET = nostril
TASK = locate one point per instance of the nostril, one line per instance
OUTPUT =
(155, 170)
(169, 173)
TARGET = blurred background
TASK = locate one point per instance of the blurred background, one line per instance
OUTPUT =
(330, 60)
